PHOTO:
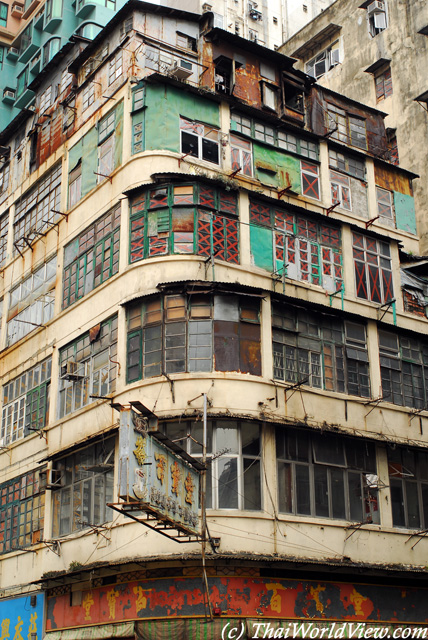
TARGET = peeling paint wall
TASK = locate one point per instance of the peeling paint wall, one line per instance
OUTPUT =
(276, 168)
(405, 215)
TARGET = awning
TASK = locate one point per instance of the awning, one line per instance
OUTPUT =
(98, 632)
(191, 629)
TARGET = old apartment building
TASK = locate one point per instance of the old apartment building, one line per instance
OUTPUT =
(377, 51)
(187, 240)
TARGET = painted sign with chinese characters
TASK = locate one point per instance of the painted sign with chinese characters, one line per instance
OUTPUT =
(243, 597)
(22, 618)
(156, 477)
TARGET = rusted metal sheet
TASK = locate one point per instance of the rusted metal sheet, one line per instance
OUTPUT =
(261, 598)
(393, 180)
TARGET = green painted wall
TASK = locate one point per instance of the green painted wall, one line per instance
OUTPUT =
(405, 215)
(164, 107)
(261, 247)
(276, 167)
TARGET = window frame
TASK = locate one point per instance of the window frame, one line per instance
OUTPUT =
(340, 190)
(346, 127)
(330, 56)
(88, 96)
(199, 131)
(409, 487)
(372, 276)
(241, 155)
(4, 8)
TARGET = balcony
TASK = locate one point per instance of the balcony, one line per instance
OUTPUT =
(53, 15)
(84, 8)
(24, 99)
(29, 43)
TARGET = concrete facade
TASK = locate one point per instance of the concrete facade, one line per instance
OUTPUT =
(176, 224)
(381, 67)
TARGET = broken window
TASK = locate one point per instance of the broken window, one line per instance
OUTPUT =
(92, 257)
(326, 476)
(25, 403)
(83, 488)
(199, 140)
(115, 66)
(31, 302)
(324, 61)
(376, 16)
(384, 205)
(383, 84)
(306, 250)
(22, 511)
(346, 127)
(180, 218)
(4, 224)
(408, 481)
(340, 190)
(373, 269)
(310, 180)
(37, 207)
(87, 367)
(320, 351)
(178, 333)
(272, 135)
(88, 96)
(347, 164)
(404, 369)
(242, 155)
(233, 478)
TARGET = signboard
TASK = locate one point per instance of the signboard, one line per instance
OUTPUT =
(155, 477)
(22, 617)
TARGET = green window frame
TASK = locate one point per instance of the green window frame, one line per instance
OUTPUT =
(3, 15)
(88, 367)
(92, 257)
(177, 333)
(269, 134)
(184, 218)
(22, 511)
(25, 403)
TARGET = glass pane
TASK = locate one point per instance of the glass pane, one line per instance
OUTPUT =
(355, 504)
(227, 483)
(337, 493)
(321, 491)
(328, 450)
(250, 435)
(413, 518)
(285, 487)
(227, 437)
(252, 493)
(303, 500)
(397, 503)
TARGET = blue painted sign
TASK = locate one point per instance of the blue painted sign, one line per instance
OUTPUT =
(22, 618)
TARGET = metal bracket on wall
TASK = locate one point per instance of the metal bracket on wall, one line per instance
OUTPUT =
(386, 306)
(332, 208)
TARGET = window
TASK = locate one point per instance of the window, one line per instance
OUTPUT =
(66, 82)
(383, 84)
(85, 487)
(92, 257)
(310, 180)
(324, 61)
(175, 333)
(340, 190)
(186, 42)
(272, 135)
(75, 185)
(384, 205)
(373, 269)
(53, 9)
(115, 67)
(241, 152)
(3, 14)
(4, 225)
(185, 218)
(26, 38)
(408, 480)
(233, 478)
(50, 49)
(391, 139)
(32, 302)
(106, 140)
(225, 74)
(326, 476)
(25, 403)
(199, 140)
(22, 82)
(1, 54)
(305, 249)
(376, 16)
(45, 99)
(88, 96)
(37, 207)
(22, 511)
(346, 127)
(87, 368)
(4, 178)
(269, 95)
(404, 370)
(347, 164)
(320, 351)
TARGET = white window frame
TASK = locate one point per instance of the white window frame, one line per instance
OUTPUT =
(324, 60)
(384, 202)
(105, 158)
(201, 133)
(242, 155)
(75, 186)
(45, 99)
(269, 95)
(88, 97)
(340, 190)
(115, 67)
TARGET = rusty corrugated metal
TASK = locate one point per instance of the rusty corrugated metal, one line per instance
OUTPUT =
(393, 180)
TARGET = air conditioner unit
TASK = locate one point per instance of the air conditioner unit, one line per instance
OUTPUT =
(376, 7)
(17, 11)
(50, 479)
(14, 50)
(9, 93)
(182, 69)
(72, 371)
(206, 7)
